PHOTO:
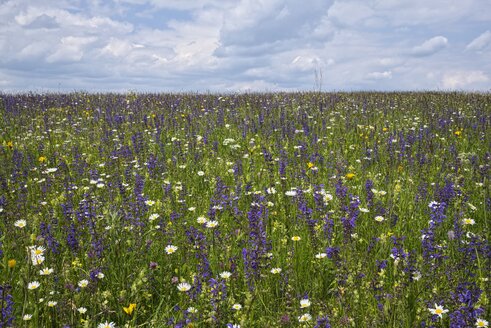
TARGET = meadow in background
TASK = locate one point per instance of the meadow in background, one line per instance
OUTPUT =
(245, 210)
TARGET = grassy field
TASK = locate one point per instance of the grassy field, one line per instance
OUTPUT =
(250, 210)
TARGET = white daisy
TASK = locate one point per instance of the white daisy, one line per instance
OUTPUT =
(201, 220)
(275, 270)
(379, 218)
(153, 217)
(46, 271)
(305, 303)
(52, 303)
(304, 317)
(20, 223)
(33, 285)
(211, 224)
(83, 283)
(149, 202)
(438, 310)
(184, 287)
(169, 249)
(27, 317)
(225, 275)
(107, 325)
(291, 193)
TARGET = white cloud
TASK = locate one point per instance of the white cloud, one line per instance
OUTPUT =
(243, 44)
(481, 42)
(179, 4)
(4, 82)
(254, 85)
(380, 75)
(66, 19)
(35, 49)
(254, 23)
(350, 13)
(430, 46)
(390, 61)
(43, 21)
(43, 33)
(431, 13)
(463, 79)
(305, 63)
(70, 49)
(117, 48)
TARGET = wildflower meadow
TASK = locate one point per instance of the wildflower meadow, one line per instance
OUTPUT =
(245, 210)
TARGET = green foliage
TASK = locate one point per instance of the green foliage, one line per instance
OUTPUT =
(105, 182)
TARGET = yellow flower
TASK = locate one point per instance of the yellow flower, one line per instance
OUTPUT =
(458, 133)
(129, 310)
(310, 165)
(350, 176)
(12, 263)
(296, 238)
(42, 159)
(385, 129)
(76, 263)
(10, 144)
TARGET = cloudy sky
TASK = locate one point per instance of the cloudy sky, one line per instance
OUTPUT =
(244, 45)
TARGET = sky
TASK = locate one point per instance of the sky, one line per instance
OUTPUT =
(244, 45)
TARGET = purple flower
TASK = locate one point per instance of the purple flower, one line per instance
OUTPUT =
(369, 192)
(341, 191)
(257, 244)
(322, 322)
(48, 236)
(197, 240)
(437, 212)
(6, 306)
(465, 297)
(332, 253)
(381, 264)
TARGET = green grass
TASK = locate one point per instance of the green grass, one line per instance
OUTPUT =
(114, 152)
